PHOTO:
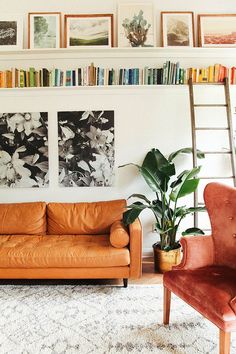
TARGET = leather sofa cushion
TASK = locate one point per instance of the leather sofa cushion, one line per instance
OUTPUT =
(23, 218)
(71, 251)
(83, 218)
(213, 288)
(119, 237)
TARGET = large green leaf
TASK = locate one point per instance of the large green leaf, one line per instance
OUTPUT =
(188, 185)
(163, 164)
(129, 164)
(157, 170)
(183, 211)
(193, 231)
(178, 180)
(152, 181)
(130, 216)
(196, 209)
(137, 205)
(140, 196)
(200, 154)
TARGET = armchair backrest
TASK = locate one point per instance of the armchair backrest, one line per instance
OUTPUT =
(220, 202)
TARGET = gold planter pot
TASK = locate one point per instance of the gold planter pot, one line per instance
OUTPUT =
(163, 260)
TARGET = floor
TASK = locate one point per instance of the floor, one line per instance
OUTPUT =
(149, 276)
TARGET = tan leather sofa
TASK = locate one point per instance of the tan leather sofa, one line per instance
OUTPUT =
(68, 241)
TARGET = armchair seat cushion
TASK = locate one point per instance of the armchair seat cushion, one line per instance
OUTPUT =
(210, 290)
(70, 251)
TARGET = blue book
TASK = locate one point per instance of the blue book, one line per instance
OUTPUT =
(126, 77)
(130, 79)
(68, 77)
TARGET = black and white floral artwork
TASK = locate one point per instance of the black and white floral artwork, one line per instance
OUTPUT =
(86, 148)
(24, 149)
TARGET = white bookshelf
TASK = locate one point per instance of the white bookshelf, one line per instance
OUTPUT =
(106, 53)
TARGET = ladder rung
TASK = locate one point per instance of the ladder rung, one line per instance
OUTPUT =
(208, 83)
(217, 152)
(210, 105)
(209, 128)
(214, 177)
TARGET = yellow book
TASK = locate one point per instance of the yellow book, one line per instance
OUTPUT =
(217, 73)
(1, 79)
(204, 75)
(200, 75)
(211, 73)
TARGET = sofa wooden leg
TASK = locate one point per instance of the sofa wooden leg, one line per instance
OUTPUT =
(167, 300)
(224, 342)
(125, 282)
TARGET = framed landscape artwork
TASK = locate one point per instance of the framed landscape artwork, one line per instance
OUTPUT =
(136, 25)
(24, 150)
(11, 32)
(95, 30)
(177, 29)
(216, 30)
(86, 148)
(44, 30)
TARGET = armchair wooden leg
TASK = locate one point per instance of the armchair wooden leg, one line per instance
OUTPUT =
(167, 300)
(224, 342)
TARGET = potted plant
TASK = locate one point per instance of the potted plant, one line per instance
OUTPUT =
(160, 175)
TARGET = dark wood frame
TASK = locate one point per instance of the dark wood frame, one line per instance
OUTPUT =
(45, 13)
(87, 16)
(200, 44)
(177, 12)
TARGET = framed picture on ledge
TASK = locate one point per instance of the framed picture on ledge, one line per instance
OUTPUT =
(177, 29)
(44, 30)
(136, 25)
(11, 32)
(216, 30)
(95, 30)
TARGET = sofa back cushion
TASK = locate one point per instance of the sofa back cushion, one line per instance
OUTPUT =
(83, 218)
(23, 218)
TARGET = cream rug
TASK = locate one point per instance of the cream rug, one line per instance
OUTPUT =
(68, 319)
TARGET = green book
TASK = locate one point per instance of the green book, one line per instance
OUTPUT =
(32, 77)
(22, 78)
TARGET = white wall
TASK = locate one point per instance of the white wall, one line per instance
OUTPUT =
(144, 117)
(110, 6)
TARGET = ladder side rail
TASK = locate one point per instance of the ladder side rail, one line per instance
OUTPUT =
(194, 142)
(230, 131)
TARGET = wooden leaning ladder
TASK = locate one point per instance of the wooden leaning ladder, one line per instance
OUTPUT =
(229, 128)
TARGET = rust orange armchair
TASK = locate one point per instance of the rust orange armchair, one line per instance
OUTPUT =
(206, 277)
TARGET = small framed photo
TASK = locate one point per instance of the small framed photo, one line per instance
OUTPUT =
(177, 29)
(44, 30)
(216, 30)
(94, 30)
(136, 25)
(11, 32)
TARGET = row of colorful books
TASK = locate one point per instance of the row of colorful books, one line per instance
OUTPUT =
(169, 74)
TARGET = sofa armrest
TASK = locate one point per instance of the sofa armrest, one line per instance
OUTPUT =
(198, 251)
(135, 246)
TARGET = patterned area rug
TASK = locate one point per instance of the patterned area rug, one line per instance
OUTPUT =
(69, 319)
